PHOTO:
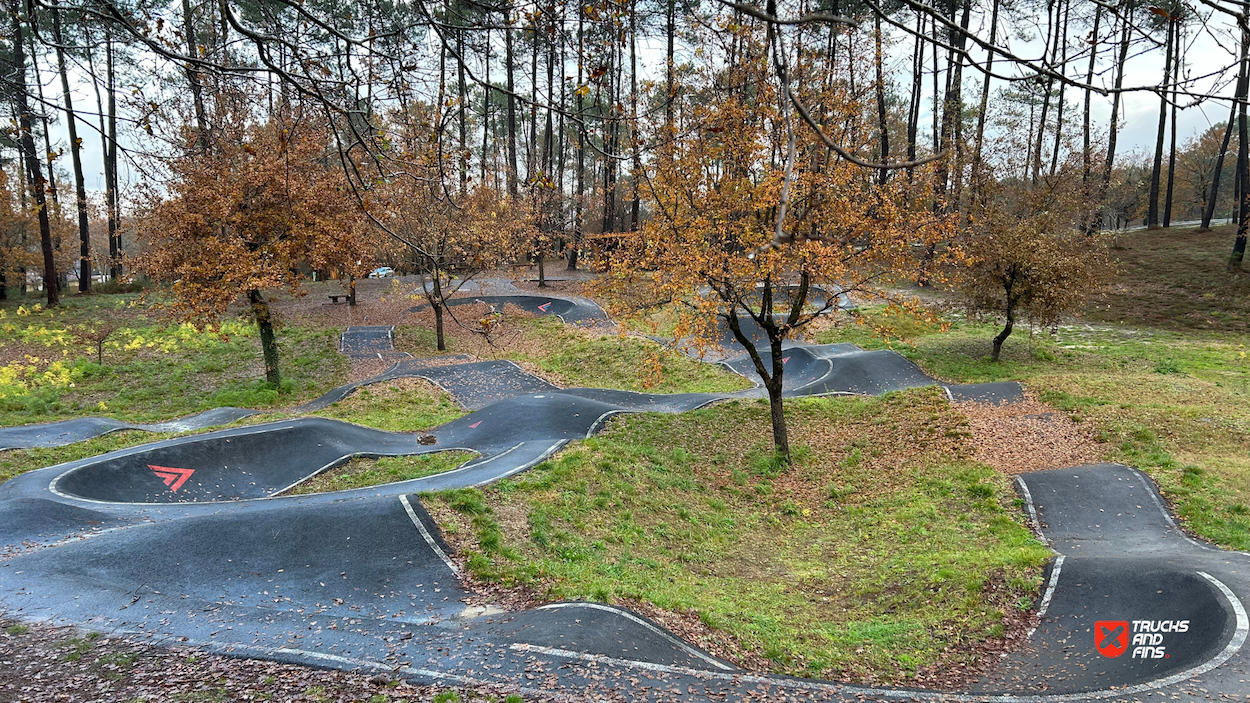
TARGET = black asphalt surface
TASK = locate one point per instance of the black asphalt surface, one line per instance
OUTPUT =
(186, 540)
(404, 367)
(370, 342)
(817, 298)
(1124, 559)
(571, 310)
(59, 434)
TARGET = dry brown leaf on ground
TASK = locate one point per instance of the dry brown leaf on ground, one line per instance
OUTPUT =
(367, 368)
(1028, 436)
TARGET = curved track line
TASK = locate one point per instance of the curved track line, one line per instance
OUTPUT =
(681, 644)
(1235, 644)
(1028, 503)
(1167, 515)
(429, 539)
(1050, 593)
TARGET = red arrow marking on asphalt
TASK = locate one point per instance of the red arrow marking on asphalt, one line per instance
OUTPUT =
(544, 306)
(174, 478)
(474, 425)
(785, 359)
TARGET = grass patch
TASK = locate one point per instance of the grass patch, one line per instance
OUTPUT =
(574, 357)
(628, 363)
(866, 560)
(361, 473)
(1160, 400)
(152, 368)
(1176, 279)
(78, 646)
(401, 405)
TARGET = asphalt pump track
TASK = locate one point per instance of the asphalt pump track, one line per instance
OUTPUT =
(187, 540)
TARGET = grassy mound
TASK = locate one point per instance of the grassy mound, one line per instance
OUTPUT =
(882, 553)
(573, 357)
(401, 405)
(362, 473)
(1173, 404)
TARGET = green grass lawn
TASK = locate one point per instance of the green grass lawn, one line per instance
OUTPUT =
(360, 473)
(1173, 403)
(19, 461)
(402, 405)
(1176, 279)
(152, 368)
(881, 552)
(573, 357)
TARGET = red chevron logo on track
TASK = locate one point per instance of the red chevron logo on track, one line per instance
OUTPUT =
(174, 478)
(544, 306)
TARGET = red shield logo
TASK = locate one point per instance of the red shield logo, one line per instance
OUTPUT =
(1111, 637)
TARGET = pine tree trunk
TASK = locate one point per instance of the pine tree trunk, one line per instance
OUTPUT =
(609, 141)
(1176, 77)
(1156, 173)
(581, 147)
(937, 92)
(549, 127)
(268, 341)
(671, 19)
(1243, 166)
(913, 109)
(955, 100)
(463, 94)
(51, 188)
(75, 150)
(1114, 125)
(883, 125)
(977, 165)
(193, 77)
(34, 170)
(531, 151)
(635, 209)
(1041, 118)
(508, 63)
(1208, 213)
(1086, 155)
(486, 93)
(110, 164)
(1062, 102)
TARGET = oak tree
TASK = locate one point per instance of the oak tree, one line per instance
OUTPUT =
(1030, 256)
(721, 200)
(241, 219)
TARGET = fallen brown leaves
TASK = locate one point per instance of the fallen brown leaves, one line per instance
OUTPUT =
(1028, 436)
(362, 369)
(40, 664)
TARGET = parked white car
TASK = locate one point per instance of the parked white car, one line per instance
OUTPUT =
(382, 272)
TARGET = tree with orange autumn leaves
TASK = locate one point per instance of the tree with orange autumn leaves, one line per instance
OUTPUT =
(240, 219)
(741, 235)
(452, 241)
(452, 234)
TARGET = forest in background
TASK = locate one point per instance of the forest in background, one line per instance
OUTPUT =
(564, 107)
